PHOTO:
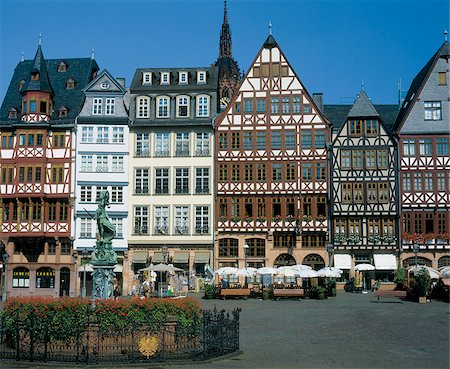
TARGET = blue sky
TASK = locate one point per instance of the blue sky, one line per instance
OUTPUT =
(332, 44)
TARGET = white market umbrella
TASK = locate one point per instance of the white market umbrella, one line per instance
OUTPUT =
(364, 267)
(246, 272)
(299, 267)
(287, 272)
(226, 271)
(328, 273)
(161, 268)
(266, 270)
(307, 273)
(445, 271)
(434, 274)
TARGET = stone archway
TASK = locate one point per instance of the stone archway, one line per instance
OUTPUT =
(284, 260)
(315, 261)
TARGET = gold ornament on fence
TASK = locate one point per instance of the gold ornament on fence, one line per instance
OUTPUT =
(148, 346)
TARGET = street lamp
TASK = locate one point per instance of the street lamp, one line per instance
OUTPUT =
(84, 256)
(415, 251)
(165, 253)
(5, 258)
(330, 252)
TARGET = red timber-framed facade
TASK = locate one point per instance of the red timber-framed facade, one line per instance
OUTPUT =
(36, 174)
(271, 170)
(423, 131)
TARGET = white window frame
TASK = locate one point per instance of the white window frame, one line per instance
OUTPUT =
(182, 144)
(103, 134)
(86, 228)
(202, 180)
(141, 181)
(162, 144)
(118, 134)
(183, 78)
(201, 76)
(117, 164)
(165, 78)
(203, 105)
(97, 103)
(182, 181)
(140, 221)
(86, 193)
(98, 190)
(143, 107)
(86, 163)
(181, 219)
(163, 107)
(142, 145)
(202, 219)
(162, 181)
(161, 219)
(110, 106)
(87, 134)
(432, 110)
(202, 144)
(116, 195)
(118, 223)
(147, 78)
(101, 164)
(183, 100)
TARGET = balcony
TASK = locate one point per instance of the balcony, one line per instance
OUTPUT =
(202, 190)
(162, 191)
(102, 140)
(181, 152)
(161, 230)
(162, 153)
(140, 230)
(182, 191)
(182, 230)
(141, 191)
(101, 169)
(202, 152)
(142, 153)
(202, 230)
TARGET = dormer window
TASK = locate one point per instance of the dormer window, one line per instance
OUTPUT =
(70, 84)
(21, 83)
(147, 78)
(62, 111)
(35, 76)
(165, 78)
(183, 78)
(62, 67)
(12, 113)
(201, 76)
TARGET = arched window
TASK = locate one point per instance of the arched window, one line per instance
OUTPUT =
(45, 278)
(284, 260)
(256, 247)
(228, 247)
(143, 107)
(444, 261)
(420, 261)
(62, 67)
(21, 277)
(315, 261)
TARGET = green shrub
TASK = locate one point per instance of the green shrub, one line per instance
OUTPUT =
(422, 282)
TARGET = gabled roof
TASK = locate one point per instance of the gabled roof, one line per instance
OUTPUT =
(362, 107)
(39, 67)
(80, 69)
(417, 85)
(100, 75)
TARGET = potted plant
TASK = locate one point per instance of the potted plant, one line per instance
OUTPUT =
(332, 284)
(266, 292)
(400, 277)
(422, 285)
(209, 292)
(320, 292)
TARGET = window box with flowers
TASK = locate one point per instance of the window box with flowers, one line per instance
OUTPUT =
(374, 238)
(389, 238)
(340, 238)
(276, 219)
(353, 239)
(321, 218)
(290, 219)
(249, 220)
(261, 219)
(223, 219)
(443, 237)
(235, 219)
(307, 218)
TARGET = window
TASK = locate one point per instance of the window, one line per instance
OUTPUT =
(62, 112)
(296, 104)
(223, 140)
(162, 145)
(248, 140)
(162, 180)
(285, 105)
(59, 140)
(276, 139)
(202, 143)
(321, 173)
(7, 174)
(276, 172)
(117, 164)
(425, 146)
(417, 182)
(442, 146)
(237, 107)
(228, 247)
(57, 173)
(98, 191)
(428, 181)
(142, 144)
(346, 159)
(161, 219)
(62, 67)
(371, 128)
(141, 181)
(118, 224)
(85, 228)
(223, 172)
(432, 110)
(102, 134)
(382, 157)
(383, 192)
(118, 135)
(141, 220)
(442, 78)
(30, 140)
(409, 148)
(441, 181)
(307, 172)
(117, 194)
(146, 78)
(102, 164)
(181, 221)
(86, 163)
(7, 140)
(357, 159)
(248, 105)
(235, 137)
(291, 172)
(260, 105)
(32, 106)
(182, 106)
(45, 278)
(284, 239)
(355, 128)
(21, 278)
(86, 194)
(87, 134)
(165, 78)
(183, 78)
(306, 139)
(358, 193)
(182, 144)
(320, 139)
(354, 227)
(202, 180)
(22, 139)
(162, 107)
(143, 110)
(321, 206)
(260, 207)
(223, 209)
(97, 106)
(203, 106)
(201, 77)
(290, 139)
(181, 180)
(406, 182)
(372, 195)
(261, 172)
(307, 205)
(260, 140)
(274, 105)
(235, 172)
(248, 172)
(256, 71)
(202, 220)
(346, 193)
(371, 159)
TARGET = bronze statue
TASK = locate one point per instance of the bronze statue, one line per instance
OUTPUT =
(106, 229)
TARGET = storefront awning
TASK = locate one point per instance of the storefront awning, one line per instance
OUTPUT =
(385, 262)
(158, 258)
(343, 261)
(140, 257)
(202, 257)
(181, 258)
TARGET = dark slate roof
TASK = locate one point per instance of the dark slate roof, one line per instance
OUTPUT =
(417, 84)
(80, 69)
(362, 107)
(39, 66)
(174, 87)
(270, 42)
(337, 115)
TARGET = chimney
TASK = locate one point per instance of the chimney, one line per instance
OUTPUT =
(121, 81)
(318, 100)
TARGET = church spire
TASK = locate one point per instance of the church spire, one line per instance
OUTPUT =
(225, 35)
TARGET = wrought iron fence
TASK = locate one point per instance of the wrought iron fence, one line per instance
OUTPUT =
(217, 335)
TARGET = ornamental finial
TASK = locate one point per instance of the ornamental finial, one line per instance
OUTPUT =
(446, 34)
(270, 28)
(40, 39)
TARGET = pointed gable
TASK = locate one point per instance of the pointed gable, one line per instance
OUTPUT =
(38, 79)
(105, 83)
(363, 107)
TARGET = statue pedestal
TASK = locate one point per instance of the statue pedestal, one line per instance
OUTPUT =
(103, 281)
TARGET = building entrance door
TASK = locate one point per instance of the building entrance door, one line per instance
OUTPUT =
(64, 282)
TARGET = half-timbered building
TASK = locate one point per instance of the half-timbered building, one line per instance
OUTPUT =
(363, 188)
(102, 138)
(37, 151)
(422, 129)
(271, 169)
